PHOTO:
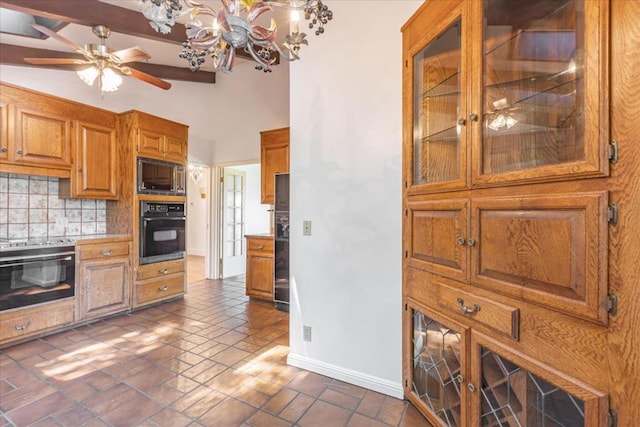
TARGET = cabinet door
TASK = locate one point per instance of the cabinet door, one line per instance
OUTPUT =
(259, 280)
(548, 250)
(541, 87)
(437, 101)
(512, 390)
(274, 159)
(435, 367)
(96, 167)
(150, 144)
(42, 138)
(437, 237)
(175, 150)
(4, 131)
(105, 287)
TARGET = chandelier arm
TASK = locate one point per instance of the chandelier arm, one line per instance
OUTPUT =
(262, 61)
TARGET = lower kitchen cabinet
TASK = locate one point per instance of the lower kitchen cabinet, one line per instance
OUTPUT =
(22, 323)
(104, 279)
(260, 268)
(458, 376)
(159, 281)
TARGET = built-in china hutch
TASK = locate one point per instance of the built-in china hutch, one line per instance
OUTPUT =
(519, 179)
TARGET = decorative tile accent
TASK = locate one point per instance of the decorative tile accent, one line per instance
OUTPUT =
(31, 209)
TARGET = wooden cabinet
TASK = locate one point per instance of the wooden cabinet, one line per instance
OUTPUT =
(506, 212)
(104, 278)
(260, 267)
(158, 138)
(274, 158)
(22, 323)
(94, 174)
(4, 131)
(159, 281)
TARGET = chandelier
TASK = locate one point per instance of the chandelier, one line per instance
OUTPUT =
(219, 33)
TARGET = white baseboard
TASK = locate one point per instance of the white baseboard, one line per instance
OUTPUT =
(380, 385)
(196, 252)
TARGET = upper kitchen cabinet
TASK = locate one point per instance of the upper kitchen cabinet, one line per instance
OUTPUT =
(4, 131)
(274, 158)
(158, 138)
(504, 94)
(93, 176)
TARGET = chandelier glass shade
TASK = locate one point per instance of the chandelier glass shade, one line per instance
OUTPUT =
(233, 26)
(108, 80)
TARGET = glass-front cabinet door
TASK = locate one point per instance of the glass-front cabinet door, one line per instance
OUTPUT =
(439, 102)
(540, 90)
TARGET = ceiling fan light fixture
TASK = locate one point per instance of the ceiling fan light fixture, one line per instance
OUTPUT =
(110, 81)
(89, 74)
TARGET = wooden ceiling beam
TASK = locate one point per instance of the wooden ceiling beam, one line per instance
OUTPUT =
(14, 55)
(94, 12)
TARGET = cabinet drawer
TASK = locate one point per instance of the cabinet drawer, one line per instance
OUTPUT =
(499, 317)
(160, 269)
(259, 245)
(160, 288)
(104, 250)
(23, 323)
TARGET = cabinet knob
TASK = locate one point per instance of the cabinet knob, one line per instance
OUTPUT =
(461, 241)
(163, 271)
(461, 121)
(163, 288)
(459, 378)
(3, 150)
(473, 117)
(260, 246)
(22, 327)
(107, 253)
(471, 387)
(19, 152)
(471, 242)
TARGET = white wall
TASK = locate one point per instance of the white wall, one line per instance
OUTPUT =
(197, 211)
(346, 146)
(225, 119)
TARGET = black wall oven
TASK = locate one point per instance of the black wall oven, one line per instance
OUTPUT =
(31, 274)
(162, 231)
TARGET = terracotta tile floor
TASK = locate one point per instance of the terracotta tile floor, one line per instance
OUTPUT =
(214, 358)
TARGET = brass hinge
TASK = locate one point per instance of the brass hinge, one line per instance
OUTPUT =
(406, 212)
(612, 214)
(406, 254)
(406, 383)
(612, 304)
(406, 307)
(613, 151)
(612, 418)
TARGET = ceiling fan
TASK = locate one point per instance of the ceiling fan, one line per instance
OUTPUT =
(105, 65)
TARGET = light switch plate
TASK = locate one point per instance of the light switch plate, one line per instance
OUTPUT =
(306, 228)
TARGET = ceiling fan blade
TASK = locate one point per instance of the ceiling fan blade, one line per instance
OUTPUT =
(53, 34)
(148, 78)
(131, 54)
(56, 61)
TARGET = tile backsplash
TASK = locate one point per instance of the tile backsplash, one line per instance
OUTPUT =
(31, 209)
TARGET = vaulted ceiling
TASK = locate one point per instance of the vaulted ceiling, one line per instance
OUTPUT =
(128, 27)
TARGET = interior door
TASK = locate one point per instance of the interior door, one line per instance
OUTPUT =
(233, 219)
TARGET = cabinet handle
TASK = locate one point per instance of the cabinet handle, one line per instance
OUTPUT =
(163, 271)
(461, 121)
(471, 387)
(107, 253)
(163, 288)
(461, 241)
(260, 246)
(473, 117)
(3, 150)
(467, 310)
(19, 152)
(22, 327)
(471, 242)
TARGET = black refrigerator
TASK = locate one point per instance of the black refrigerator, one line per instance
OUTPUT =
(281, 238)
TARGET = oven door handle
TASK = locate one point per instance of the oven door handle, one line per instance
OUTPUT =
(175, 218)
(30, 259)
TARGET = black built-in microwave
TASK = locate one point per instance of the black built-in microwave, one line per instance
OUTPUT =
(160, 177)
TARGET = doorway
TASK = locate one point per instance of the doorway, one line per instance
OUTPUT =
(198, 221)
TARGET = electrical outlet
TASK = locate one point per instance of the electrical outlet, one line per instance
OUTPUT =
(306, 333)
(306, 228)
